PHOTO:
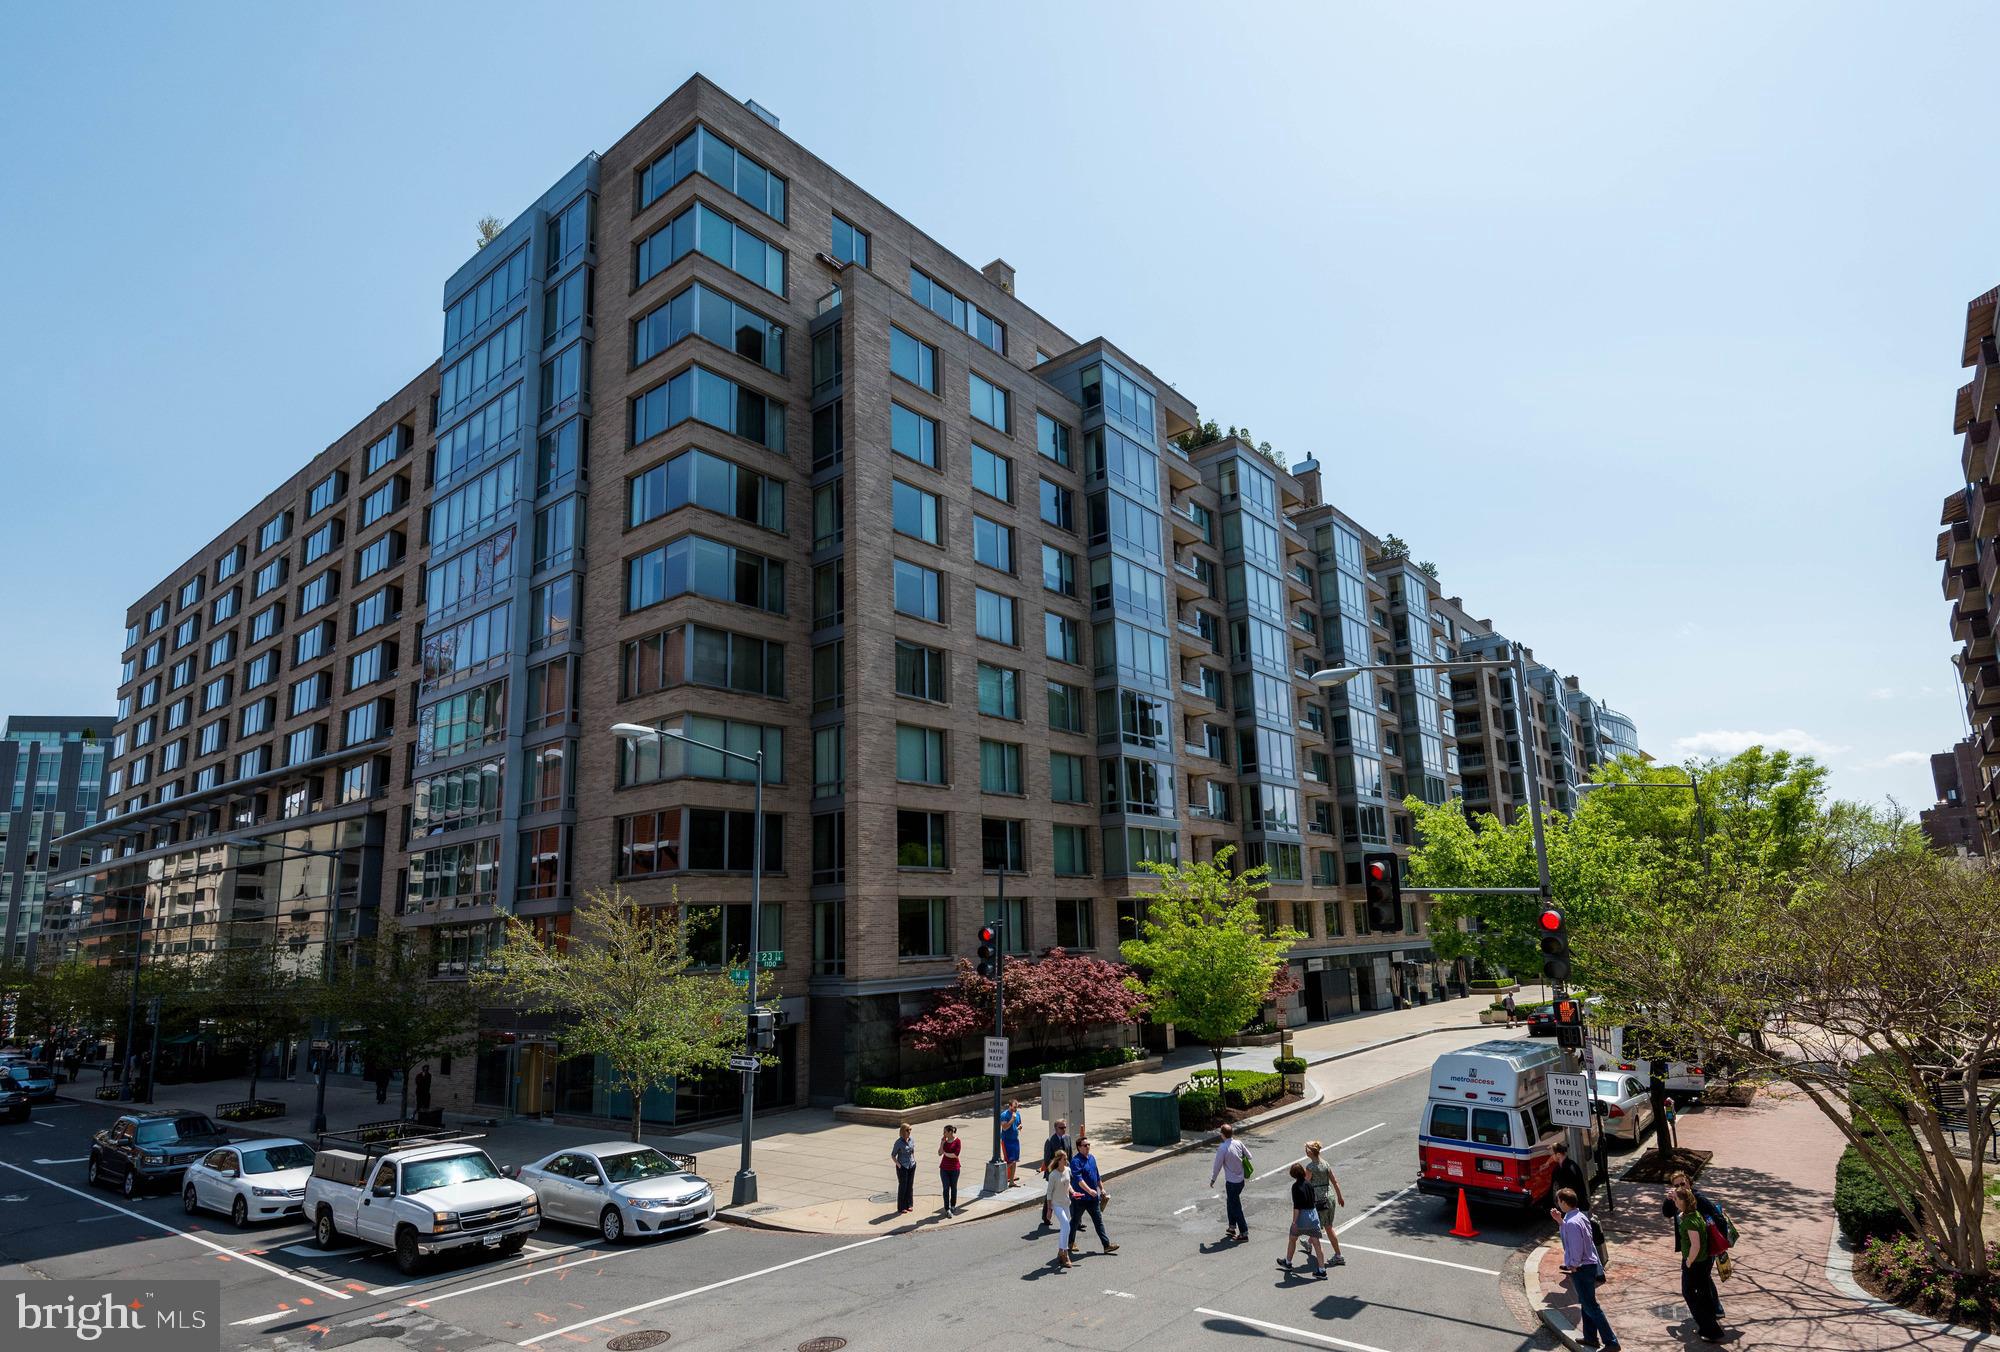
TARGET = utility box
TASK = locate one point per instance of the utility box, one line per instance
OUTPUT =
(1062, 1097)
(1156, 1119)
(341, 1166)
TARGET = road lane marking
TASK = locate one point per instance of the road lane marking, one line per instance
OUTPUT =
(78, 1160)
(50, 1125)
(1122, 1295)
(1419, 1258)
(312, 1250)
(240, 1257)
(702, 1290)
(1345, 1226)
(1355, 1137)
(1184, 1210)
(261, 1318)
(594, 1256)
(1326, 1338)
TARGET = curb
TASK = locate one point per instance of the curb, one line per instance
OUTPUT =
(1555, 1321)
(1392, 1041)
(1033, 1197)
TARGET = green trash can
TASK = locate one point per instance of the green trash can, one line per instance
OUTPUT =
(1156, 1119)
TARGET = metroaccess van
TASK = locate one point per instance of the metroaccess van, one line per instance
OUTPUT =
(1486, 1126)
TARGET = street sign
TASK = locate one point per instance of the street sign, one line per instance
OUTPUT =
(739, 974)
(770, 957)
(1569, 1100)
(996, 1056)
(740, 1062)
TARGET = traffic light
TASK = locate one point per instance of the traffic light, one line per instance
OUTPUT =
(1382, 885)
(764, 1023)
(1555, 946)
(989, 950)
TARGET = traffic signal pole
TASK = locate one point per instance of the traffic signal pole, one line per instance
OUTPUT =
(996, 1167)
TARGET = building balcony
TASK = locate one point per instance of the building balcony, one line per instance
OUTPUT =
(1192, 580)
(1202, 692)
(1985, 508)
(1187, 526)
(1956, 547)
(1957, 581)
(1208, 821)
(1975, 458)
(1985, 685)
(1979, 316)
(1181, 472)
(1962, 406)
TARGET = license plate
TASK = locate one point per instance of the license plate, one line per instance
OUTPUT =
(1455, 1169)
(489, 1241)
(687, 1215)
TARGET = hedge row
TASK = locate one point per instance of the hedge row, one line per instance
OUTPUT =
(1481, 983)
(937, 1091)
(1864, 1203)
(1240, 1088)
(1290, 1065)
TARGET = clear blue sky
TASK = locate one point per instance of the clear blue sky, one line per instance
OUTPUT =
(1643, 324)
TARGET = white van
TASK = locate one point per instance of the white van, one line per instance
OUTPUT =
(1486, 1127)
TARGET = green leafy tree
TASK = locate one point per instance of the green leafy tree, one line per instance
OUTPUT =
(1395, 547)
(250, 998)
(60, 1001)
(405, 1016)
(1205, 959)
(624, 986)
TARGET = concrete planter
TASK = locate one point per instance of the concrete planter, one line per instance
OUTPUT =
(959, 1107)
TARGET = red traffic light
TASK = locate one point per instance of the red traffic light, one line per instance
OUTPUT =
(1551, 920)
(986, 934)
(1377, 871)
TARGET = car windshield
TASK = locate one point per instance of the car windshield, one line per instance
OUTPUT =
(634, 1166)
(273, 1158)
(193, 1128)
(441, 1173)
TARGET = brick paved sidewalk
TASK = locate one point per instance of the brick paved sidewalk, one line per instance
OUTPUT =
(1773, 1172)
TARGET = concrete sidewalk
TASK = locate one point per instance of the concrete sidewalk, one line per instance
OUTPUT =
(1773, 1173)
(820, 1175)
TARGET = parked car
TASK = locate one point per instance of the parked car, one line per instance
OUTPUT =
(151, 1149)
(418, 1198)
(251, 1180)
(13, 1100)
(34, 1076)
(1626, 1106)
(620, 1189)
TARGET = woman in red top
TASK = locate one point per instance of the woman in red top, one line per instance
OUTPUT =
(948, 1167)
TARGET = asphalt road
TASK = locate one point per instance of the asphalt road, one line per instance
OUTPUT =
(1408, 1285)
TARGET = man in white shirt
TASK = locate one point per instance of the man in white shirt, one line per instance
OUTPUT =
(1230, 1157)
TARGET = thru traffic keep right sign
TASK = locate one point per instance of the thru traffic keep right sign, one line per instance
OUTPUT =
(1569, 1100)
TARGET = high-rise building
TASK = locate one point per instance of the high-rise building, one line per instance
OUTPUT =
(51, 783)
(1968, 547)
(782, 474)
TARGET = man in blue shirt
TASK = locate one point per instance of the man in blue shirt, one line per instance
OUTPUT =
(1585, 1268)
(1086, 1194)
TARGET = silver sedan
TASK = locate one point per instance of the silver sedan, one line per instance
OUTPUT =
(619, 1189)
(1625, 1107)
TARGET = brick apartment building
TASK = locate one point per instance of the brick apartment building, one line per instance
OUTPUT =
(1968, 549)
(1956, 822)
(779, 472)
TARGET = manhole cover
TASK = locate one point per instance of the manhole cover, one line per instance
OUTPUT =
(822, 1345)
(633, 1342)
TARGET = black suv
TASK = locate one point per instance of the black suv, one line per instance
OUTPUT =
(13, 1100)
(144, 1149)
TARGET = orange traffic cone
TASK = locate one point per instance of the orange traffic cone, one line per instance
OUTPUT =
(1464, 1230)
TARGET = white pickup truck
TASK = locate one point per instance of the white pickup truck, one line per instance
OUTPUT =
(418, 1199)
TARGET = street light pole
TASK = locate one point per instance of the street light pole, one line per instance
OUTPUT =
(744, 1191)
(332, 967)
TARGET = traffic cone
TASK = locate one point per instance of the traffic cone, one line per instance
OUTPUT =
(1464, 1230)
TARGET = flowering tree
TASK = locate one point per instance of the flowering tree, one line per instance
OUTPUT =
(1062, 995)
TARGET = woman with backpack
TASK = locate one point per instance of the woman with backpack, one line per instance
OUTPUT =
(1699, 1241)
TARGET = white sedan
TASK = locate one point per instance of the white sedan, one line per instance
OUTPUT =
(1626, 1107)
(619, 1189)
(250, 1180)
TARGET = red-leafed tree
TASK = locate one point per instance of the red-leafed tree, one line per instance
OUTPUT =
(1061, 996)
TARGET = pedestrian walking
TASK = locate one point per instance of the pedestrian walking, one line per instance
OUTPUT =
(381, 1084)
(1057, 1200)
(904, 1152)
(1305, 1222)
(1086, 1193)
(1696, 1240)
(1585, 1266)
(1326, 1192)
(1569, 1174)
(1711, 1211)
(1508, 1001)
(948, 1148)
(424, 1088)
(1010, 1137)
(1057, 1144)
(1234, 1166)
